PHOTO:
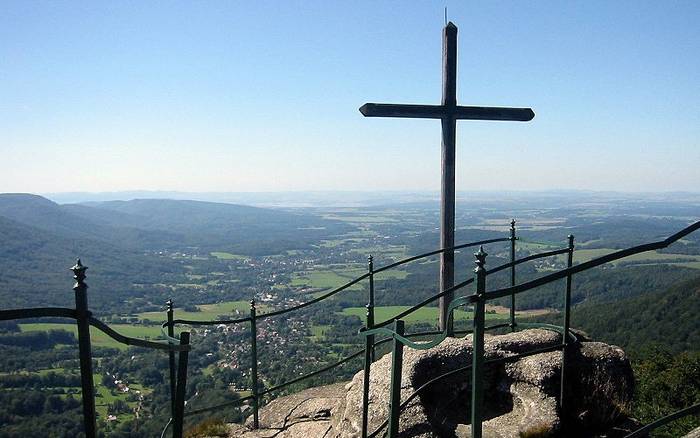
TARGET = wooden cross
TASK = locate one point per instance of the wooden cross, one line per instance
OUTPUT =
(448, 112)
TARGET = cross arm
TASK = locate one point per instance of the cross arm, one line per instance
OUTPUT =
(493, 113)
(400, 110)
(441, 111)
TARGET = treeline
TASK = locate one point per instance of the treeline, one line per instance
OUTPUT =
(48, 380)
(666, 317)
(25, 413)
(660, 331)
(38, 340)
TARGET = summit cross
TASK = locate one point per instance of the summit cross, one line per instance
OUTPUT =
(448, 112)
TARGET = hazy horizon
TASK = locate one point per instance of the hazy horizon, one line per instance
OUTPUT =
(360, 198)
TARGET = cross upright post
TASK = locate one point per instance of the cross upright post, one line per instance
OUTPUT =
(448, 112)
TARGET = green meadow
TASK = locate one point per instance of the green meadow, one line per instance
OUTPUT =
(227, 256)
(584, 254)
(97, 337)
(652, 258)
(424, 314)
(206, 311)
(333, 278)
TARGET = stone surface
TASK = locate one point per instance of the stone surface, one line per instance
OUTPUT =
(521, 394)
(305, 414)
(695, 433)
(521, 397)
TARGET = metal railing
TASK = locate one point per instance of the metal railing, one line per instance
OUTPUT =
(254, 317)
(181, 345)
(84, 319)
(478, 301)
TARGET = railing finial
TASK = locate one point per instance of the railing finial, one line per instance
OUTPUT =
(480, 259)
(170, 304)
(79, 273)
(512, 224)
(252, 304)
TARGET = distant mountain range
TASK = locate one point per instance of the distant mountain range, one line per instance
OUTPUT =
(39, 240)
(425, 198)
(153, 224)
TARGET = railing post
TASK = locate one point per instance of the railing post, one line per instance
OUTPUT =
(171, 357)
(84, 348)
(395, 388)
(567, 323)
(180, 390)
(512, 274)
(370, 302)
(478, 344)
(369, 348)
(254, 363)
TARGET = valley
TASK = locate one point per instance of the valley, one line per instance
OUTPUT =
(212, 259)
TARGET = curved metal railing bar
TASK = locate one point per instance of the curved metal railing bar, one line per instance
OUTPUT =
(313, 373)
(539, 255)
(643, 432)
(134, 341)
(376, 271)
(538, 242)
(430, 382)
(37, 312)
(422, 345)
(424, 303)
(168, 338)
(219, 406)
(349, 284)
(552, 327)
(461, 301)
(498, 293)
(315, 300)
(439, 251)
(165, 429)
(209, 322)
(530, 285)
(393, 265)
(336, 364)
(469, 281)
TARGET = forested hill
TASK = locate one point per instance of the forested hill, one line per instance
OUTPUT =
(245, 229)
(119, 241)
(156, 224)
(666, 318)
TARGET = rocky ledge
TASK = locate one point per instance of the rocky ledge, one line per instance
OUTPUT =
(521, 395)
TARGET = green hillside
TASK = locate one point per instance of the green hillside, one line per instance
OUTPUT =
(667, 317)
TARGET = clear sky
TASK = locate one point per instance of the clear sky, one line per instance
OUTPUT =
(263, 96)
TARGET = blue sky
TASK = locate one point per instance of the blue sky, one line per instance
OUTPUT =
(263, 96)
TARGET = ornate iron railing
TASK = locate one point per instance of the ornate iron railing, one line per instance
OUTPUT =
(478, 300)
(181, 345)
(84, 319)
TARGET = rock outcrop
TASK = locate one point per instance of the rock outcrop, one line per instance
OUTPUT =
(521, 394)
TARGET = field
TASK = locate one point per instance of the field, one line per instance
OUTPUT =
(336, 277)
(425, 314)
(651, 258)
(98, 338)
(228, 256)
(206, 311)
(690, 261)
